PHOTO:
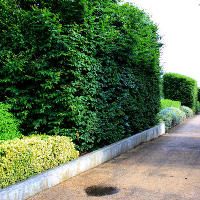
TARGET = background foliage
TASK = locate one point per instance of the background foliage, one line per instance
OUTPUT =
(85, 69)
(180, 88)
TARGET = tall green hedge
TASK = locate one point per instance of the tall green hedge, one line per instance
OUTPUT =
(180, 88)
(91, 73)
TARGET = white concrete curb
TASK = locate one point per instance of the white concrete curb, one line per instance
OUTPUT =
(45, 180)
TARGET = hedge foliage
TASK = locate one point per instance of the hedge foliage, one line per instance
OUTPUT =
(85, 69)
(180, 88)
(23, 158)
(9, 126)
(171, 116)
(170, 103)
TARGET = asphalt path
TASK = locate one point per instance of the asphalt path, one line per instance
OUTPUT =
(167, 168)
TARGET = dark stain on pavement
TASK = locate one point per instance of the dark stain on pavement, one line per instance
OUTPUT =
(101, 190)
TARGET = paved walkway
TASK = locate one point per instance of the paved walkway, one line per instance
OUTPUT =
(167, 168)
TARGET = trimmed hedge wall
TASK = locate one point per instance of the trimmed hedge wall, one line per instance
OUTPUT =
(23, 158)
(180, 88)
(92, 73)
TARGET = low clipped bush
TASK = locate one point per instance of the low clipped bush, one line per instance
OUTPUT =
(188, 111)
(8, 124)
(180, 88)
(171, 116)
(170, 103)
(23, 158)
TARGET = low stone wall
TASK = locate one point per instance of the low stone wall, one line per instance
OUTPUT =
(45, 180)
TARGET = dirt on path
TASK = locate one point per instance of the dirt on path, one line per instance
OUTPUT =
(167, 168)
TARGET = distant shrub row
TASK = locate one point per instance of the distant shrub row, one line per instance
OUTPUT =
(172, 116)
(172, 113)
(23, 158)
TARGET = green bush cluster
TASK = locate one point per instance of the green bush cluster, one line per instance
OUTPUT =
(170, 103)
(188, 111)
(85, 69)
(8, 124)
(171, 116)
(180, 88)
(23, 158)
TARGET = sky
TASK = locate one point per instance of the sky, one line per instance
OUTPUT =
(179, 26)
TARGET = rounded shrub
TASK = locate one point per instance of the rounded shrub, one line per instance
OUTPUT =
(188, 111)
(8, 124)
(23, 158)
(171, 116)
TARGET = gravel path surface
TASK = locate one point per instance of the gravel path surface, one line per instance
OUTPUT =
(167, 168)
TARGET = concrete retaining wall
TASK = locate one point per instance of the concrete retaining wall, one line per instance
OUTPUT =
(40, 182)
